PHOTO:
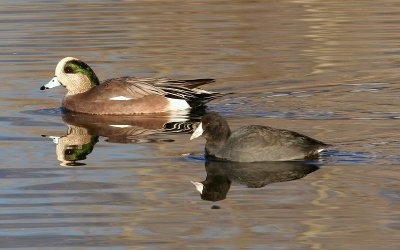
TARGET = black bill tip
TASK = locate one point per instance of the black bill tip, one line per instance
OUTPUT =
(43, 88)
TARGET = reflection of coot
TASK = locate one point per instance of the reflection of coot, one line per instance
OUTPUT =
(220, 174)
(215, 186)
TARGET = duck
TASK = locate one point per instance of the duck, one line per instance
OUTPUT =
(125, 95)
(254, 143)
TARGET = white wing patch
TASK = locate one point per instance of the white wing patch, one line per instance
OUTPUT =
(120, 98)
(120, 126)
(177, 104)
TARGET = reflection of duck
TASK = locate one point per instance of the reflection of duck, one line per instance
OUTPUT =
(130, 129)
(84, 131)
(74, 146)
(220, 174)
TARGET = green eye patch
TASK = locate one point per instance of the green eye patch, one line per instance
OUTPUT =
(74, 67)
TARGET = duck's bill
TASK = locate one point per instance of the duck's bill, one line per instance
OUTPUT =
(198, 132)
(54, 138)
(53, 83)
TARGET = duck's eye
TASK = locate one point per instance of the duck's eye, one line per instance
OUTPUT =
(68, 151)
(68, 69)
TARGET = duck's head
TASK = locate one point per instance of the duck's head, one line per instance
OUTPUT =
(73, 74)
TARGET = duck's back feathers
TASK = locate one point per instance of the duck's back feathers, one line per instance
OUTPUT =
(135, 88)
(190, 84)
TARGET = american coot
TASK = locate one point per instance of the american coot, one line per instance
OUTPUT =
(254, 142)
(125, 95)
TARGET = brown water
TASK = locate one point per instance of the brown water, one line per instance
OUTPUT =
(329, 69)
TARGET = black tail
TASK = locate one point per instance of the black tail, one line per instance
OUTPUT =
(191, 84)
(202, 98)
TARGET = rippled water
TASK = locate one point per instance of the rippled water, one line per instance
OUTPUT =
(329, 69)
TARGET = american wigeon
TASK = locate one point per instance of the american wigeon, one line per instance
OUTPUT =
(254, 143)
(124, 95)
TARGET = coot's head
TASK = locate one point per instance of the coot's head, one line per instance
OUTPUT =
(213, 127)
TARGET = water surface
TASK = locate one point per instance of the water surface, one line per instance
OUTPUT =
(327, 69)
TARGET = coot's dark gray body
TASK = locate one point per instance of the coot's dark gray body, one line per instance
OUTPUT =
(260, 143)
(255, 143)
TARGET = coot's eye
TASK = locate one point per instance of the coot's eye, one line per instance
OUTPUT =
(68, 69)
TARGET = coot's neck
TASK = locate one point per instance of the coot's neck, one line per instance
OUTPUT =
(218, 136)
(216, 141)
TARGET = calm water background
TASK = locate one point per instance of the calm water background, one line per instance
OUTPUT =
(329, 69)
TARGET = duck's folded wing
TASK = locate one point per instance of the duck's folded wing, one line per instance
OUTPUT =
(127, 88)
(124, 88)
(190, 84)
(161, 82)
(187, 90)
